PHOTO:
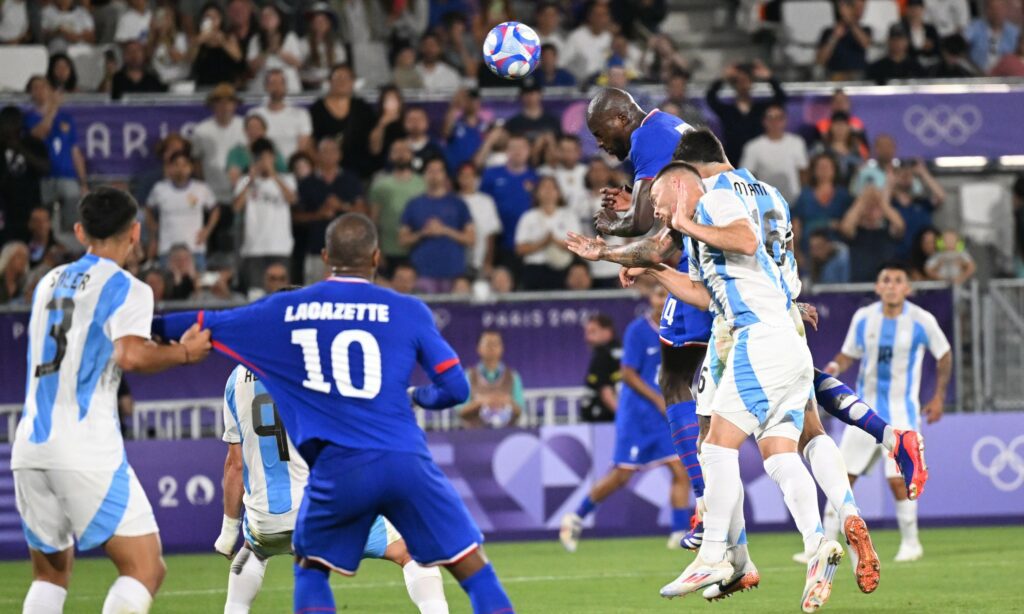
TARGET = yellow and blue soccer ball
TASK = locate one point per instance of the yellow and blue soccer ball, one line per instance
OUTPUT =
(512, 50)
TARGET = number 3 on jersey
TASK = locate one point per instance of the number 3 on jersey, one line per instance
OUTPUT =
(341, 370)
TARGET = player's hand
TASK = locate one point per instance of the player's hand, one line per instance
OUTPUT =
(197, 344)
(604, 219)
(832, 368)
(809, 314)
(933, 410)
(616, 199)
(629, 275)
(225, 543)
(588, 248)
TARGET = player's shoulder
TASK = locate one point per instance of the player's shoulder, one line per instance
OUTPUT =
(867, 311)
(920, 314)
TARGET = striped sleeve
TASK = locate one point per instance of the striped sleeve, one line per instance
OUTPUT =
(853, 346)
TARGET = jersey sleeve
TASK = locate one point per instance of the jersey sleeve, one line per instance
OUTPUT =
(231, 332)
(632, 348)
(434, 354)
(231, 432)
(853, 346)
(726, 208)
(135, 316)
(938, 344)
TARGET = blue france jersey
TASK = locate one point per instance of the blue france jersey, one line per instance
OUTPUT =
(891, 351)
(682, 323)
(652, 144)
(641, 351)
(336, 357)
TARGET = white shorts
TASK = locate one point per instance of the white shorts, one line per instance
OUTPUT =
(58, 506)
(860, 451)
(719, 348)
(766, 383)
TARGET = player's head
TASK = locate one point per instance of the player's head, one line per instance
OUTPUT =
(893, 284)
(675, 191)
(108, 222)
(490, 347)
(599, 330)
(612, 116)
(700, 149)
(351, 246)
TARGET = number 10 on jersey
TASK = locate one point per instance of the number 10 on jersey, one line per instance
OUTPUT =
(341, 369)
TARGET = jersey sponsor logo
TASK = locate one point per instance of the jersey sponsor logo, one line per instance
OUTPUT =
(359, 312)
(1000, 462)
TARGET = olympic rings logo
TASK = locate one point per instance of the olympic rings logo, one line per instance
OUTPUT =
(1005, 456)
(942, 123)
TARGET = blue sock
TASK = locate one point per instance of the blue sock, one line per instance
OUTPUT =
(312, 591)
(681, 518)
(838, 400)
(486, 593)
(682, 421)
(587, 505)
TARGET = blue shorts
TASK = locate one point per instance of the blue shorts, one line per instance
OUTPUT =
(642, 437)
(349, 489)
(683, 324)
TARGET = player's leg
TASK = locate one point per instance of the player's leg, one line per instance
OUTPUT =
(51, 573)
(619, 476)
(49, 536)
(245, 578)
(906, 516)
(140, 569)
(745, 575)
(424, 584)
(859, 452)
(679, 365)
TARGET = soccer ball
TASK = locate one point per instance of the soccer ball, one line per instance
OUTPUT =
(512, 50)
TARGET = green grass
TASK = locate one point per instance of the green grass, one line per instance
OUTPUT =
(964, 570)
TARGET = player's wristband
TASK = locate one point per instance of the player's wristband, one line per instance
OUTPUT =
(230, 525)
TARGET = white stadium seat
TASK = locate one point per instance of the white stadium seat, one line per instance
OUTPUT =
(802, 24)
(19, 63)
(880, 15)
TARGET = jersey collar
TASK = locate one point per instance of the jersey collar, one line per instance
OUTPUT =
(347, 279)
(649, 116)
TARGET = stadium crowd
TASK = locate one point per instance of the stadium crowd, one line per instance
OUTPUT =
(465, 205)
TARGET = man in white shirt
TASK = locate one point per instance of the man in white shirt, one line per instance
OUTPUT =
(289, 127)
(215, 136)
(588, 46)
(13, 22)
(65, 24)
(777, 157)
(948, 16)
(486, 221)
(548, 24)
(568, 171)
(175, 209)
(133, 25)
(437, 76)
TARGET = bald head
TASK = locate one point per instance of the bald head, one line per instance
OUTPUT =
(351, 242)
(612, 116)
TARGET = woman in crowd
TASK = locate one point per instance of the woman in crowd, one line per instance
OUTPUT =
(274, 47)
(321, 48)
(924, 248)
(844, 145)
(61, 74)
(168, 46)
(216, 53)
(389, 128)
(340, 113)
(540, 238)
(13, 271)
(822, 203)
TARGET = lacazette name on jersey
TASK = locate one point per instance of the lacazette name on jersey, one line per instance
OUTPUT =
(369, 312)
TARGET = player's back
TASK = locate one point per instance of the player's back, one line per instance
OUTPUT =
(654, 142)
(70, 419)
(274, 473)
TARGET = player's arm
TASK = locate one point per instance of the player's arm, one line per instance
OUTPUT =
(448, 383)
(233, 490)
(943, 373)
(637, 219)
(650, 251)
(631, 378)
(839, 364)
(679, 285)
(737, 236)
(141, 355)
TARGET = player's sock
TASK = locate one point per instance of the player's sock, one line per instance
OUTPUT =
(800, 495)
(906, 518)
(127, 595)
(723, 492)
(312, 591)
(426, 588)
(738, 554)
(831, 522)
(244, 581)
(681, 519)
(486, 593)
(839, 400)
(44, 598)
(682, 420)
(830, 473)
(587, 505)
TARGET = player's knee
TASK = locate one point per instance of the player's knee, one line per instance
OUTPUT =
(621, 476)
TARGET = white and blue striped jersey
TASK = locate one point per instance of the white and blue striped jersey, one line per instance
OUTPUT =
(891, 351)
(273, 473)
(70, 418)
(744, 290)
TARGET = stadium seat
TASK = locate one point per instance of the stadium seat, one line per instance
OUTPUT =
(88, 62)
(880, 15)
(802, 24)
(21, 62)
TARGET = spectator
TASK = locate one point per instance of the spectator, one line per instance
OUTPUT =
(463, 129)
(599, 176)
(275, 278)
(436, 74)
(216, 54)
(181, 269)
(502, 281)
(267, 198)
(951, 263)
(549, 73)
(300, 165)
(403, 279)
(323, 196)
(567, 169)
(495, 391)
(289, 127)
(67, 180)
(134, 76)
(217, 135)
(589, 45)
(416, 126)
(924, 37)
(992, 36)
(40, 235)
(777, 157)
(916, 208)
(662, 60)
(437, 229)
(389, 193)
(540, 238)
(924, 249)
(168, 47)
(321, 48)
(63, 24)
(460, 46)
(404, 73)
(274, 48)
(157, 282)
(843, 46)
(898, 62)
(134, 23)
(61, 73)
(676, 93)
(390, 127)
(601, 399)
(241, 20)
(578, 277)
(13, 272)
(840, 103)
(548, 25)
(743, 120)
(949, 16)
(1011, 64)
(625, 54)
(873, 230)
(175, 209)
(408, 20)
(830, 259)
(24, 161)
(54, 256)
(844, 146)
(878, 169)
(486, 223)
(954, 62)
(240, 156)
(341, 113)
(822, 203)
(532, 121)
(511, 186)
(141, 183)
(14, 23)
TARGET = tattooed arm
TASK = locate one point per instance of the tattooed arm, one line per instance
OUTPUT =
(637, 211)
(653, 249)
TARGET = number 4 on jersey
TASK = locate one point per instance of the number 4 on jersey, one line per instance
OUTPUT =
(341, 370)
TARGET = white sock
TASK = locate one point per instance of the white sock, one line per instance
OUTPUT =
(801, 497)
(244, 581)
(830, 473)
(906, 518)
(889, 438)
(738, 553)
(831, 524)
(722, 492)
(127, 596)
(426, 588)
(44, 598)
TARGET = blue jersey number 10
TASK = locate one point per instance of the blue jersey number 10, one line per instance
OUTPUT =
(341, 370)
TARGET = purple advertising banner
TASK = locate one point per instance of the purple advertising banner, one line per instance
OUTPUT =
(517, 483)
(543, 341)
